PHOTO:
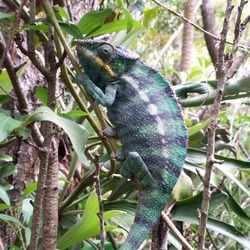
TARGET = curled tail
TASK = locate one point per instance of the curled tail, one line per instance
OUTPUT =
(148, 211)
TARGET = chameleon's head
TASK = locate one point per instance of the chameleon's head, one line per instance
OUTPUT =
(104, 62)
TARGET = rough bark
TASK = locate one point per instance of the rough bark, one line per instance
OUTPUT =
(208, 18)
(187, 38)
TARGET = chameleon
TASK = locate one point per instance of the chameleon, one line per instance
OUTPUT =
(148, 121)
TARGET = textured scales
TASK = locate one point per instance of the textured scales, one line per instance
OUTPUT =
(144, 111)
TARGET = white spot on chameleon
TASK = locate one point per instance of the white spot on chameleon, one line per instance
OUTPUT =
(152, 109)
(160, 126)
(165, 153)
(142, 94)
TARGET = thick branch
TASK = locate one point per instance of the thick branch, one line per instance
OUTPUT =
(12, 33)
(23, 105)
(187, 38)
(208, 18)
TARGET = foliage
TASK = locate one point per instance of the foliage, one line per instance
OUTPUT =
(142, 27)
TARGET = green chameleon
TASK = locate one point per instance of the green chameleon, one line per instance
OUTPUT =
(148, 121)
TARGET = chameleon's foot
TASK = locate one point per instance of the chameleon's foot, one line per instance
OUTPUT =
(119, 155)
(134, 165)
(109, 132)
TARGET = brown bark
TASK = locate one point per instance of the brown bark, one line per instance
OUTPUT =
(187, 38)
(243, 54)
(50, 216)
(208, 18)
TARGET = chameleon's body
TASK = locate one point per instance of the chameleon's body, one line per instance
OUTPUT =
(143, 109)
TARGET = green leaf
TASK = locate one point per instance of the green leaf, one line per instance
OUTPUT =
(41, 27)
(234, 89)
(114, 26)
(30, 189)
(4, 157)
(228, 171)
(23, 132)
(4, 207)
(150, 16)
(5, 15)
(71, 29)
(4, 98)
(76, 133)
(73, 113)
(6, 85)
(235, 208)
(199, 157)
(7, 170)
(42, 94)
(62, 13)
(7, 125)
(230, 164)
(4, 196)
(127, 14)
(179, 213)
(88, 226)
(8, 219)
(93, 20)
(197, 127)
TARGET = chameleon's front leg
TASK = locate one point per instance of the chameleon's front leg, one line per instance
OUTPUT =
(105, 99)
(134, 165)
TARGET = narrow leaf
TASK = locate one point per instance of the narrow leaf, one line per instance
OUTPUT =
(92, 20)
(196, 128)
(76, 133)
(114, 26)
(7, 170)
(4, 196)
(7, 125)
(8, 218)
(88, 226)
(42, 94)
(28, 190)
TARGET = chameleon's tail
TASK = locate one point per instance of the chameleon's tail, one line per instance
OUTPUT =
(147, 214)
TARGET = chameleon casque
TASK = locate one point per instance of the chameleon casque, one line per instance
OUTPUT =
(148, 121)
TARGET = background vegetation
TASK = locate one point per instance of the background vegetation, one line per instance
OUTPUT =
(55, 170)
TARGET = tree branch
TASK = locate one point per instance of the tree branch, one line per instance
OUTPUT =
(176, 232)
(198, 27)
(208, 18)
(222, 66)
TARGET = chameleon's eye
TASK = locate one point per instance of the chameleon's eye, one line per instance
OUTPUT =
(105, 51)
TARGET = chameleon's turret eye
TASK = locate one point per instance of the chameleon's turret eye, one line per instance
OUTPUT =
(105, 51)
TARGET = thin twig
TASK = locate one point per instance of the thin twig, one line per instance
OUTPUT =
(219, 186)
(99, 195)
(176, 232)
(196, 26)
(212, 241)
(12, 33)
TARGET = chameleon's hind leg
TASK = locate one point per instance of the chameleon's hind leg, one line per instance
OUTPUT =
(134, 165)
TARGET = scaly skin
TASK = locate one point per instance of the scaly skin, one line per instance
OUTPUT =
(144, 111)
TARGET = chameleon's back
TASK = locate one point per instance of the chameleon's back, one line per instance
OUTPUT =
(149, 124)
